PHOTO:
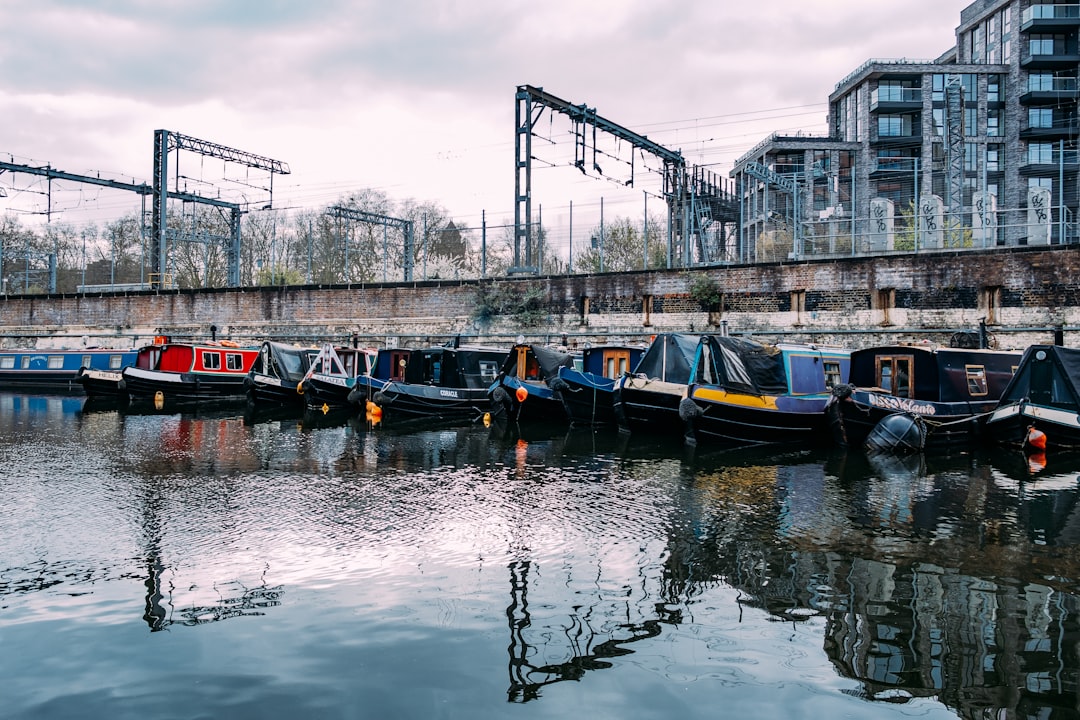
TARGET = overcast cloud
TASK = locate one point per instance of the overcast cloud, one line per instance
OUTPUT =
(416, 97)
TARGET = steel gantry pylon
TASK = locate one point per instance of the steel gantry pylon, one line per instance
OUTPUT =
(406, 226)
(695, 197)
(51, 173)
(166, 142)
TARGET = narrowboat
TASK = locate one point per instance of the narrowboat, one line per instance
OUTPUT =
(522, 390)
(275, 377)
(648, 399)
(947, 391)
(588, 392)
(333, 375)
(57, 370)
(1040, 407)
(742, 392)
(442, 383)
(182, 372)
(388, 364)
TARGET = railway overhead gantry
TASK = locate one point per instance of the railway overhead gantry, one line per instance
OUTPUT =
(703, 214)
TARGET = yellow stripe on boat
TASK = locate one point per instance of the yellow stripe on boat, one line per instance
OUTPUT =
(722, 396)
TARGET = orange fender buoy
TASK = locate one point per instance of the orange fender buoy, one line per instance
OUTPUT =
(1036, 439)
(521, 394)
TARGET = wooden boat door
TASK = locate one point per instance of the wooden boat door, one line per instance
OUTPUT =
(527, 366)
(398, 360)
(616, 363)
(895, 374)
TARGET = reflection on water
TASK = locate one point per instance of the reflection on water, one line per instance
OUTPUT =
(515, 559)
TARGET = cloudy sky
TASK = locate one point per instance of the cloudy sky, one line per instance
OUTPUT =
(416, 97)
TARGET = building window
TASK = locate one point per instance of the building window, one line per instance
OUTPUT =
(971, 157)
(971, 121)
(1040, 117)
(970, 83)
(1040, 82)
(993, 158)
(993, 88)
(939, 122)
(937, 93)
(993, 123)
(894, 125)
(1046, 44)
(1040, 154)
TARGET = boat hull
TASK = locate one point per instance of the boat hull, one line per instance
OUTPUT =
(183, 387)
(739, 419)
(587, 398)
(649, 406)
(399, 400)
(949, 424)
(1011, 424)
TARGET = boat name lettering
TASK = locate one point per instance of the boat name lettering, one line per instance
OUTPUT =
(894, 403)
(448, 393)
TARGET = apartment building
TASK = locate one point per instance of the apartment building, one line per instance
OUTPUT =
(976, 148)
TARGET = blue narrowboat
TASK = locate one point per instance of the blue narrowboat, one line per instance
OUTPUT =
(743, 392)
(588, 392)
(523, 390)
(58, 370)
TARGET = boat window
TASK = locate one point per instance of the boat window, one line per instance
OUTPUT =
(55, 362)
(211, 360)
(832, 373)
(116, 362)
(234, 361)
(86, 361)
(26, 362)
(976, 379)
(7, 362)
(489, 370)
(894, 375)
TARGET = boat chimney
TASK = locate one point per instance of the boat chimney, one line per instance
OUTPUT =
(1059, 335)
(213, 333)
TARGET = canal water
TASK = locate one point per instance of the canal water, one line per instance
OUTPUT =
(220, 565)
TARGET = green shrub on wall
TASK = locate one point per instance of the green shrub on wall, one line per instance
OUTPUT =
(523, 303)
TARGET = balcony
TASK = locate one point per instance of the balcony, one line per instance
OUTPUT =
(890, 166)
(1049, 91)
(1048, 163)
(888, 139)
(891, 99)
(1048, 18)
(1059, 129)
(1051, 56)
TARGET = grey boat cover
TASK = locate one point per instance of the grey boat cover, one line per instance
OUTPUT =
(670, 358)
(1049, 381)
(741, 365)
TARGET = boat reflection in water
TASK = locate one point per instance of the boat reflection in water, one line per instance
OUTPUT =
(512, 559)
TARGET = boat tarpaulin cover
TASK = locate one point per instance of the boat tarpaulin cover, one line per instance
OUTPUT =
(741, 365)
(1046, 379)
(669, 358)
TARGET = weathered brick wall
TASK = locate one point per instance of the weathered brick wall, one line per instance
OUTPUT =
(1023, 293)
